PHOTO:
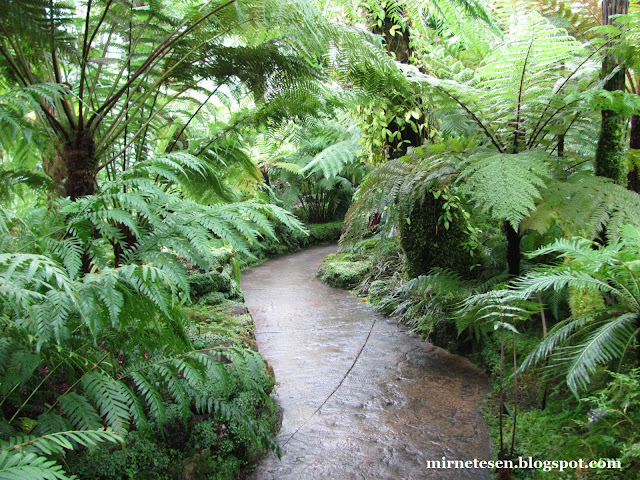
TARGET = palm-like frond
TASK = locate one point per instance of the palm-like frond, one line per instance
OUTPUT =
(578, 345)
(517, 96)
(586, 205)
(333, 160)
(607, 342)
(425, 301)
(24, 457)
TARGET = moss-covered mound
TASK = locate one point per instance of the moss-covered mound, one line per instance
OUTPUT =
(343, 274)
(426, 243)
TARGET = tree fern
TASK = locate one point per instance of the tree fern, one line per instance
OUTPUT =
(585, 205)
(517, 97)
(576, 346)
(396, 185)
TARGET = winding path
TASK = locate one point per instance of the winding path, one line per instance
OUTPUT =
(361, 398)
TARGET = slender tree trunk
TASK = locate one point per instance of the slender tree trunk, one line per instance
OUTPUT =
(610, 151)
(633, 179)
(513, 249)
(80, 169)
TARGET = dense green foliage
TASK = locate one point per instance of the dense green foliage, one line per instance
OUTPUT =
(148, 151)
(513, 144)
(429, 240)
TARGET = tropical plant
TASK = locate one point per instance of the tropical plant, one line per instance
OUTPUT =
(603, 329)
(93, 284)
(426, 303)
(314, 168)
(110, 346)
(521, 116)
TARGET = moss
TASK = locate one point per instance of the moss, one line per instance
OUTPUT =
(212, 299)
(378, 290)
(426, 243)
(221, 255)
(213, 281)
(343, 274)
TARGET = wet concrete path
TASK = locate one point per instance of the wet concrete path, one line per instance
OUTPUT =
(361, 398)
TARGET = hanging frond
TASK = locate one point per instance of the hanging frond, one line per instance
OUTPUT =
(395, 186)
(586, 205)
(333, 159)
(520, 96)
(427, 301)
(24, 457)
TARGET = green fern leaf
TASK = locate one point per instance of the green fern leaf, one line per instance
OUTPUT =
(113, 403)
(507, 186)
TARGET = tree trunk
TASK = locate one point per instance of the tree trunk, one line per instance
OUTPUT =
(633, 179)
(399, 46)
(78, 158)
(513, 249)
(610, 151)
(79, 165)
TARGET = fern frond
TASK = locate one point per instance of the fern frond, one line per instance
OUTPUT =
(586, 205)
(333, 159)
(79, 411)
(60, 441)
(507, 186)
(15, 466)
(113, 403)
(395, 186)
(605, 343)
(152, 396)
(562, 277)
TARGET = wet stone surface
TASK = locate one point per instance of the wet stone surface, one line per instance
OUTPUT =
(361, 398)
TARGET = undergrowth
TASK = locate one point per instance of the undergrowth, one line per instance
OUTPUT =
(200, 445)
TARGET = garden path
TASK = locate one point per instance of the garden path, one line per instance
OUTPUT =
(361, 398)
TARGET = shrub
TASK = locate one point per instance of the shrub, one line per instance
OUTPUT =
(325, 232)
(140, 458)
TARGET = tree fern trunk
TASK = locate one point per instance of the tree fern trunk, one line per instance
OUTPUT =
(78, 158)
(79, 165)
(633, 179)
(513, 249)
(610, 151)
